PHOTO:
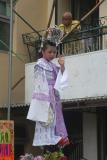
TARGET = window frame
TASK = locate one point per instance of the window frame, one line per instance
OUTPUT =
(4, 19)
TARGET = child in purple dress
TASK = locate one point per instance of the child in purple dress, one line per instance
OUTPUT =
(45, 108)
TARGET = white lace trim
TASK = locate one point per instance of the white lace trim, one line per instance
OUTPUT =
(45, 135)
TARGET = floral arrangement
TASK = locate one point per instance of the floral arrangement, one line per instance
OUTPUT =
(57, 155)
(30, 157)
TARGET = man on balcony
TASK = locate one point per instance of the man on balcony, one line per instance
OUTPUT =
(68, 24)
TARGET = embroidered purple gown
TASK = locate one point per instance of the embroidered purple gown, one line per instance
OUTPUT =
(52, 131)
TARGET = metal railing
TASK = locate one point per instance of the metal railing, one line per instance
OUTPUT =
(89, 40)
(77, 151)
(33, 43)
(83, 158)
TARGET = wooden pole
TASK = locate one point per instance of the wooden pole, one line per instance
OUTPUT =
(18, 82)
(50, 18)
(51, 14)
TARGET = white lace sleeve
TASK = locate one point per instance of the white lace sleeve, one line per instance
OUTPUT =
(61, 81)
(37, 110)
(40, 82)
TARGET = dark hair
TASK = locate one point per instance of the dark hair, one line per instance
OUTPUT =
(47, 43)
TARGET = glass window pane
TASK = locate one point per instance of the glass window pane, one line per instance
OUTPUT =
(3, 8)
(4, 35)
(7, 10)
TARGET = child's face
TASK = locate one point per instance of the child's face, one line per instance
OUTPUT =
(49, 53)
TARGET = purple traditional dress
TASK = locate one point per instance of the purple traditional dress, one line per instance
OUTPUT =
(45, 106)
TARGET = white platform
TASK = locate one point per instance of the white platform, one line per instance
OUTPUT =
(87, 76)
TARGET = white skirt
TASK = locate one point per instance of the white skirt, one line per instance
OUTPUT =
(45, 134)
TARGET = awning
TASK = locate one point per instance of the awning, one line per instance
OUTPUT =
(84, 103)
(80, 103)
(17, 105)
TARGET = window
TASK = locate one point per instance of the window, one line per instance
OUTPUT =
(20, 139)
(78, 8)
(2, 8)
(4, 25)
(4, 35)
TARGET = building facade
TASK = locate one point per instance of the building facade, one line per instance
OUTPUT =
(36, 13)
(85, 106)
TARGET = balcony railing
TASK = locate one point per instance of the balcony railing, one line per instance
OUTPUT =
(33, 43)
(88, 39)
(77, 151)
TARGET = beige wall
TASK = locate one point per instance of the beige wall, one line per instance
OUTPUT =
(17, 73)
(103, 10)
(36, 12)
(3, 78)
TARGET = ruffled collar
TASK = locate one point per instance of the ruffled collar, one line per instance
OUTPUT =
(47, 65)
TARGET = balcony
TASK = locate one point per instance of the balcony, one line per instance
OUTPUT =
(87, 77)
(85, 54)
(89, 38)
